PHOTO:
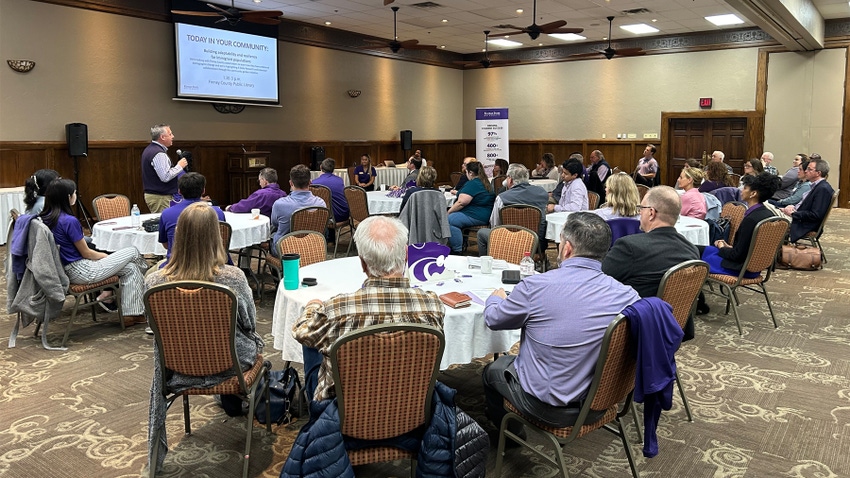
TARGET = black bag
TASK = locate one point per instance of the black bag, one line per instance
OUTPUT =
(285, 399)
(151, 225)
(718, 229)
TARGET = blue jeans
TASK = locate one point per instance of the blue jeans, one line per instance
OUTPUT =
(457, 222)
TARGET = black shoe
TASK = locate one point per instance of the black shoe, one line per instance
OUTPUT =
(703, 309)
(110, 306)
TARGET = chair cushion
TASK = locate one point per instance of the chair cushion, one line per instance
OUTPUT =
(727, 279)
(231, 386)
(605, 417)
(378, 455)
(83, 288)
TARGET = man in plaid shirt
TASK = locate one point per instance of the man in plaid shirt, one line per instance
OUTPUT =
(386, 296)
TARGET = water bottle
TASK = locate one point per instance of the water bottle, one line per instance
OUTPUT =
(135, 216)
(526, 265)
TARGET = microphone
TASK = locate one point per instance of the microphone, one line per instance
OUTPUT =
(179, 154)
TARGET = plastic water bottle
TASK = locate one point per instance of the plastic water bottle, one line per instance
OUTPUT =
(135, 216)
(526, 265)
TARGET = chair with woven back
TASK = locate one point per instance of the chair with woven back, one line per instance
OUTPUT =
(592, 200)
(767, 238)
(337, 227)
(510, 243)
(110, 206)
(358, 205)
(455, 177)
(607, 401)
(734, 212)
(311, 246)
(642, 190)
(814, 236)
(189, 346)
(497, 183)
(312, 218)
(402, 360)
(527, 216)
(680, 287)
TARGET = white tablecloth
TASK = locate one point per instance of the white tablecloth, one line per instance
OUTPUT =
(694, 230)
(547, 184)
(467, 337)
(10, 198)
(390, 176)
(343, 173)
(379, 203)
(109, 236)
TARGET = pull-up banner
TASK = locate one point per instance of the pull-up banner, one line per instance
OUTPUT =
(491, 139)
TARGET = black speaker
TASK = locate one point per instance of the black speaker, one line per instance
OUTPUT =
(317, 155)
(77, 135)
(406, 139)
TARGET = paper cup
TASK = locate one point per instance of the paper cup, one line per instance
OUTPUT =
(383, 187)
(255, 213)
(486, 264)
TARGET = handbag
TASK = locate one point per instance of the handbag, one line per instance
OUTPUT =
(799, 257)
(285, 398)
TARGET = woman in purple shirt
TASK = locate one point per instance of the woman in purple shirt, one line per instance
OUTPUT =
(365, 173)
(84, 265)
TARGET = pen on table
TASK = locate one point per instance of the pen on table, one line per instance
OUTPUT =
(107, 223)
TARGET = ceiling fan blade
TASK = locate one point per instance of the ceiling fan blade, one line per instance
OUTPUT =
(408, 43)
(421, 47)
(195, 14)
(221, 10)
(261, 13)
(552, 25)
(387, 2)
(504, 62)
(505, 26)
(507, 34)
(587, 55)
(630, 52)
(262, 20)
(565, 30)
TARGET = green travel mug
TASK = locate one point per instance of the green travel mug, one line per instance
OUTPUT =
(291, 264)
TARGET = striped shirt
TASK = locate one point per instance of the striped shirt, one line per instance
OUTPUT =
(380, 300)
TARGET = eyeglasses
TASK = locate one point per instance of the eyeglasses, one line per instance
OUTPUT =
(645, 207)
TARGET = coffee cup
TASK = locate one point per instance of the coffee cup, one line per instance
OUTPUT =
(291, 264)
(486, 264)
(255, 213)
(443, 189)
(383, 187)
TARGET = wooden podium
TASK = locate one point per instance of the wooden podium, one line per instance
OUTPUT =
(243, 168)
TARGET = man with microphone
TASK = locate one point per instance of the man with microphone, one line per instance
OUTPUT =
(159, 177)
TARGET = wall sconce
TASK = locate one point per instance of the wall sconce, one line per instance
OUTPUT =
(21, 66)
(354, 93)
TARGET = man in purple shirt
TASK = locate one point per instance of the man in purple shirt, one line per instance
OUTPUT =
(560, 345)
(192, 187)
(299, 197)
(337, 187)
(263, 198)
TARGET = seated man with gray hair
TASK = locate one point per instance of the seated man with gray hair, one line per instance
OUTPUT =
(386, 296)
(519, 191)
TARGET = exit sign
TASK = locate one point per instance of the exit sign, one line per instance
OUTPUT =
(705, 102)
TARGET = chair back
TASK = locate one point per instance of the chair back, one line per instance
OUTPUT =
(455, 177)
(226, 231)
(623, 226)
(680, 287)
(357, 204)
(322, 191)
(734, 211)
(194, 325)
(497, 183)
(642, 190)
(7, 261)
(312, 218)
(832, 204)
(310, 245)
(733, 179)
(425, 217)
(524, 215)
(592, 200)
(510, 243)
(768, 236)
(399, 359)
(110, 206)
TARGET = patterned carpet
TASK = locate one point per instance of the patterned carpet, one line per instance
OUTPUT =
(773, 403)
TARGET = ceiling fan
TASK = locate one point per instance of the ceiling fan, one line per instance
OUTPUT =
(394, 44)
(233, 15)
(610, 52)
(486, 62)
(534, 30)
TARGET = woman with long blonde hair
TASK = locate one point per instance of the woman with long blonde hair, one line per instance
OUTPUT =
(622, 198)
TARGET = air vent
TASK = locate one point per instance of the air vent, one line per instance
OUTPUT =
(426, 5)
(636, 11)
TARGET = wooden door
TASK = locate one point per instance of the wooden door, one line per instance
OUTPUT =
(691, 137)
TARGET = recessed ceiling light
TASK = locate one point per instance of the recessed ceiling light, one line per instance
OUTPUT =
(442, 46)
(327, 23)
(504, 42)
(258, 1)
(728, 19)
(567, 36)
(654, 20)
(519, 11)
(639, 28)
(539, 44)
(445, 20)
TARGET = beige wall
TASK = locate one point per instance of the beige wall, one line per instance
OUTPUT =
(116, 74)
(586, 99)
(804, 106)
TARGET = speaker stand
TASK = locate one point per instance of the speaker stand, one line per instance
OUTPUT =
(81, 207)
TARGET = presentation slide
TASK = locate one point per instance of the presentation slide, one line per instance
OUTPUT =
(220, 64)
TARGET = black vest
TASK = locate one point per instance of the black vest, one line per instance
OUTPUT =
(594, 183)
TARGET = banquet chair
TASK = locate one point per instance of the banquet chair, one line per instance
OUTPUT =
(767, 238)
(642, 190)
(497, 184)
(455, 177)
(680, 287)
(527, 216)
(510, 243)
(336, 226)
(613, 383)
(734, 178)
(202, 348)
(312, 218)
(110, 206)
(592, 200)
(814, 236)
(425, 218)
(623, 226)
(13, 216)
(403, 361)
(734, 211)
(358, 205)
(310, 245)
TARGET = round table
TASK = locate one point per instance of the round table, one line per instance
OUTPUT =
(547, 184)
(380, 203)
(390, 176)
(467, 337)
(694, 230)
(117, 233)
(10, 198)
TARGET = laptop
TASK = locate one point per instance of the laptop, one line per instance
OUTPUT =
(389, 163)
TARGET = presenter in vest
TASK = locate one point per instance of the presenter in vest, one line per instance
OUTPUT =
(159, 177)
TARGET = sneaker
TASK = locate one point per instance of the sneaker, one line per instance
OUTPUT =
(109, 306)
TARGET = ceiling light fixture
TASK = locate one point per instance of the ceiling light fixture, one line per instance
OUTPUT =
(327, 23)
(567, 36)
(519, 11)
(504, 42)
(444, 20)
(639, 28)
(722, 20)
